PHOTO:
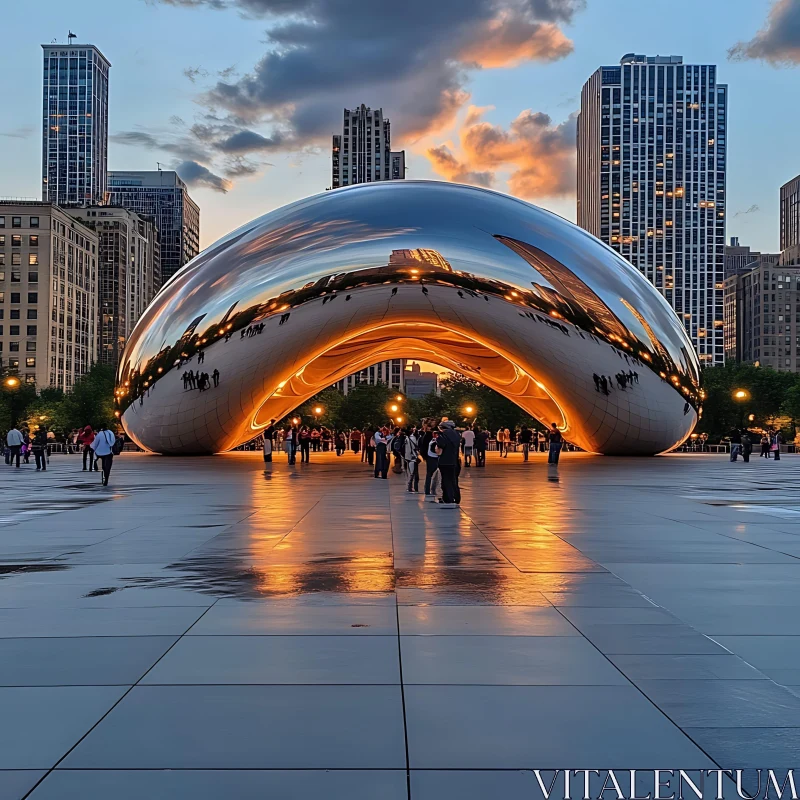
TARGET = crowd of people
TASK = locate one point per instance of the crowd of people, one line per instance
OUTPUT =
(742, 442)
(440, 447)
(97, 447)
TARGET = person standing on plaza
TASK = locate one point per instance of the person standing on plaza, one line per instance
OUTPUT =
(747, 447)
(481, 441)
(316, 436)
(102, 444)
(775, 443)
(501, 441)
(290, 444)
(355, 440)
(14, 440)
(468, 440)
(411, 459)
(525, 436)
(39, 447)
(735, 438)
(369, 445)
(431, 455)
(381, 459)
(85, 439)
(556, 441)
(305, 444)
(448, 446)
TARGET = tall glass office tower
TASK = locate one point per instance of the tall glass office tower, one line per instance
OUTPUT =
(74, 124)
(651, 181)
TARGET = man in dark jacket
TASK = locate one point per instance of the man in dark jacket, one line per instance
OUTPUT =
(448, 445)
(39, 447)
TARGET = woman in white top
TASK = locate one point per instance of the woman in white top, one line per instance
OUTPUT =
(411, 458)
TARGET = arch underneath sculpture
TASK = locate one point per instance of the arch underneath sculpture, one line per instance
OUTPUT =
(421, 341)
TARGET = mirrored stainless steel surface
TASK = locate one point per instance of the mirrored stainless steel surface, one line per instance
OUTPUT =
(479, 282)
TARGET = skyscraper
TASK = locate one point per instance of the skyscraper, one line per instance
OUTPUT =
(48, 263)
(790, 222)
(363, 152)
(651, 181)
(163, 196)
(127, 273)
(74, 124)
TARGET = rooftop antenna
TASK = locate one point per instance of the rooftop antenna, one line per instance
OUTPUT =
(70, 37)
(158, 164)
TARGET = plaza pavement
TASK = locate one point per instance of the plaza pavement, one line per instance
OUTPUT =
(208, 628)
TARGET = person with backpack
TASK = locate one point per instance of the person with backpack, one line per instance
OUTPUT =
(39, 448)
(102, 446)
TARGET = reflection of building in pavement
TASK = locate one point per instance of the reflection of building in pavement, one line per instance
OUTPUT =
(419, 257)
(388, 372)
(419, 383)
(570, 286)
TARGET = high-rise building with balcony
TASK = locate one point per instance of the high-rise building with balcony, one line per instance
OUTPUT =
(161, 195)
(652, 156)
(363, 151)
(74, 124)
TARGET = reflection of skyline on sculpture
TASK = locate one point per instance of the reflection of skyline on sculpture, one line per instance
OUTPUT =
(452, 258)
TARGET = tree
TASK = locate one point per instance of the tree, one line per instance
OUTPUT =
(366, 405)
(91, 401)
(329, 400)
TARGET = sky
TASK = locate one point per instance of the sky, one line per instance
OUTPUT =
(242, 96)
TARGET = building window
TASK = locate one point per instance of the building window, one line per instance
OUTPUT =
(34, 222)
(14, 348)
(33, 259)
(33, 277)
(33, 240)
(31, 330)
(33, 313)
(13, 330)
(2, 222)
(30, 347)
(14, 313)
(16, 222)
(30, 362)
(33, 297)
(16, 259)
(15, 297)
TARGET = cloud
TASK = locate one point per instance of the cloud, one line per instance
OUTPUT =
(22, 132)
(539, 155)
(448, 166)
(197, 175)
(754, 209)
(778, 42)
(324, 55)
(193, 73)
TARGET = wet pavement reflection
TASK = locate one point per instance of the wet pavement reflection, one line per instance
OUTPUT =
(626, 587)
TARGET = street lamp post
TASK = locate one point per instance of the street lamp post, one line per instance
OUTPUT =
(741, 396)
(13, 383)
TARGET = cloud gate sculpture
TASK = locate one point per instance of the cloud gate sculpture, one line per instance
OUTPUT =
(479, 282)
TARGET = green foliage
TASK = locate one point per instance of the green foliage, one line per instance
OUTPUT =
(91, 402)
(492, 410)
(366, 405)
(770, 395)
(329, 400)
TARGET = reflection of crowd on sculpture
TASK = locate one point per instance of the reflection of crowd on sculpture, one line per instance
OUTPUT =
(554, 311)
(625, 380)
